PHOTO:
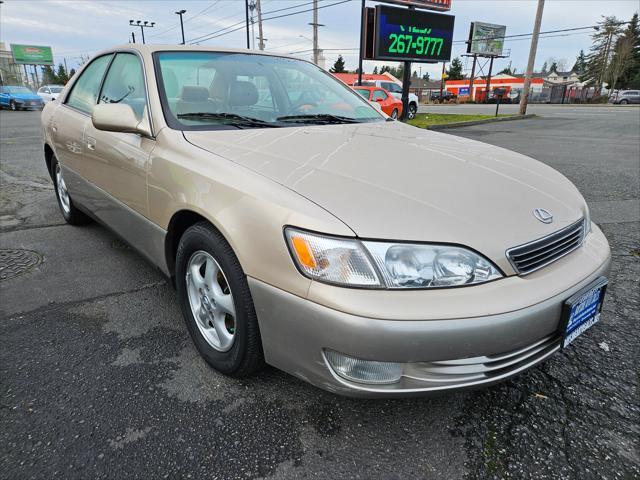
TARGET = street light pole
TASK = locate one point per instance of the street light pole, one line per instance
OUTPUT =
(524, 99)
(246, 13)
(181, 12)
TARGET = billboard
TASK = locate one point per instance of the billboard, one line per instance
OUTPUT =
(412, 35)
(486, 39)
(32, 54)
(429, 4)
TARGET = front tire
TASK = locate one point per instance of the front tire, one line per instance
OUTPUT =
(12, 106)
(70, 213)
(216, 302)
(413, 110)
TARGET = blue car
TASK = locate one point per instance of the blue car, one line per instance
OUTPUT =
(19, 98)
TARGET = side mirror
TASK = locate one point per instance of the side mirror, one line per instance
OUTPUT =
(379, 100)
(118, 117)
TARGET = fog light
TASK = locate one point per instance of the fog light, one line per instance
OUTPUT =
(363, 371)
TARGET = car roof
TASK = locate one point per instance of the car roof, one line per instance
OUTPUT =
(366, 87)
(151, 48)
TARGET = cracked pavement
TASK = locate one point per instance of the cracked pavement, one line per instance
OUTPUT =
(99, 378)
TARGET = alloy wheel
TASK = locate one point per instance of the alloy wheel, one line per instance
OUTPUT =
(211, 301)
(63, 194)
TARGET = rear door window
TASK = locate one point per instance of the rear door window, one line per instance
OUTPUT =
(379, 95)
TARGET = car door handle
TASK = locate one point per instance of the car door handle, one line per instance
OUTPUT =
(91, 143)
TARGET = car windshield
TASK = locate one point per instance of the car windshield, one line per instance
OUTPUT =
(18, 90)
(211, 90)
(56, 89)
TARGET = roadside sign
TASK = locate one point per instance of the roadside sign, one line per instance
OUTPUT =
(486, 39)
(31, 54)
(463, 92)
(412, 35)
(442, 5)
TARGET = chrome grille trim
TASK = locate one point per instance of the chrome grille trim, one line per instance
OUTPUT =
(535, 255)
(461, 371)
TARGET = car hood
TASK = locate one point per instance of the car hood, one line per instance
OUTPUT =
(393, 181)
(25, 96)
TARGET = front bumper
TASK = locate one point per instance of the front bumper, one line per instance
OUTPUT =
(437, 354)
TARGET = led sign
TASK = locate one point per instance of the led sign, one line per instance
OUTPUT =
(412, 35)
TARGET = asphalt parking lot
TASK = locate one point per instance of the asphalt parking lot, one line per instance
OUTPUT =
(99, 378)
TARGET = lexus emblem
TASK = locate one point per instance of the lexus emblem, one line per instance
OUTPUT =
(543, 215)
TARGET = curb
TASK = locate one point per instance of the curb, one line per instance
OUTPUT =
(446, 126)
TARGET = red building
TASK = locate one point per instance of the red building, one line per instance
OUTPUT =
(512, 86)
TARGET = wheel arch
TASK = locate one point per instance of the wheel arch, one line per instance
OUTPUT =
(178, 224)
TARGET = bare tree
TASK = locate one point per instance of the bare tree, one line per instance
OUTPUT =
(561, 63)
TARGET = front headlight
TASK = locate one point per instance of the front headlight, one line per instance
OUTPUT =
(350, 262)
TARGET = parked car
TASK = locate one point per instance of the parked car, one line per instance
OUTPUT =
(368, 257)
(388, 103)
(49, 93)
(396, 90)
(445, 97)
(624, 97)
(17, 97)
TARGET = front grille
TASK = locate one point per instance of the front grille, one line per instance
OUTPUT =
(480, 369)
(539, 253)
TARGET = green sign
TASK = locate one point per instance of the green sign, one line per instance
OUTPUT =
(32, 54)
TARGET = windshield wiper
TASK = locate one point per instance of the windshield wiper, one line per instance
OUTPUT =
(232, 119)
(318, 118)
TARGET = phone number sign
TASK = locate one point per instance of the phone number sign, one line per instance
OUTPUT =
(412, 35)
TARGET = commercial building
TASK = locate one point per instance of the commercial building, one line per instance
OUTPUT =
(10, 73)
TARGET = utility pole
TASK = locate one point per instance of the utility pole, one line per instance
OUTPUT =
(261, 38)
(442, 79)
(524, 99)
(142, 25)
(315, 24)
(252, 7)
(246, 14)
(362, 41)
(181, 12)
(133, 37)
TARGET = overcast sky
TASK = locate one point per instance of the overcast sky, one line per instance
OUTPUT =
(75, 27)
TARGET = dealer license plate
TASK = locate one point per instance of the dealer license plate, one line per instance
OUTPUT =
(582, 310)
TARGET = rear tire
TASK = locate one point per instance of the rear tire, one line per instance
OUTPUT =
(624, 102)
(216, 304)
(394, 114)
(70, 213)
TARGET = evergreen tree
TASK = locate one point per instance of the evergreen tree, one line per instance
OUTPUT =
(553, 67)
(545, 68)
(426, 77)
(601, 51)
(375, 70)
(630, 76)
(338, 66)
(72, 72)
(507, 71)
(455, 70)
(61, 75)
(581, 63)
(414, 74)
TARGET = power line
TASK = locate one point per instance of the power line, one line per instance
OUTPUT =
(218, 34)
(193, 17)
